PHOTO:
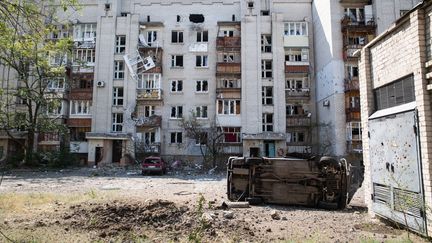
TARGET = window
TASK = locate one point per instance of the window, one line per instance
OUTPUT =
(356, 40)
(354, 131)
(117, 96)
(296, 137)
(201, 61)
(117, 122)
(176, 112)
(176, 137)
(228, 33)
(55, 108)
(352, 71)
(266, 43)
(201, 111)
(120, 45)
(202, 138)
(229, 83)
(296, 85)
(176, 61)
(202, 36)
(228, 107)
(201, 86)
(80, 107)
(266, 69)
(296, 28)
(84, 56)
(149, 137)
(354, 102)
(250, 4)
(396, 93)
(84, 32)
(228, 58)
(79, 133)
(297, 55)
(149, 81)
(267, 122)
(56, 84)
(231, 134)
(355, 14)
(176, 36)
(294, 109)
(267, 95)
(149, 110)
(151, 37)
(118, 70)
(176, 86)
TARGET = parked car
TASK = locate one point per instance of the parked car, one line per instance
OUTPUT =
(153, 164)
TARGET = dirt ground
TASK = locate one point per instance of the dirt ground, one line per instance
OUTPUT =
(121, 205)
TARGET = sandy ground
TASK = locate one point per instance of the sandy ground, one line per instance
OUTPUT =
(122, 205)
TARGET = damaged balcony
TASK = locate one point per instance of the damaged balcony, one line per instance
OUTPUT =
(297, 93)
(352, 84)
(228, 68)
(84, 35)
(151, 121)
(228, 42)
(83, 60)
(149, 86)
(296, 67)
(298, 120)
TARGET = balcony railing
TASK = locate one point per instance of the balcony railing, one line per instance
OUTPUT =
(151, 121)
(305, 92)
(367, 23)
(149, 94)
(296, 67)
(352, 84)
(297, 120)
(228, 68)
(228, 42)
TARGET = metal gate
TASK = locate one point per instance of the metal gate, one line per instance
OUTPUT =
(397, 187)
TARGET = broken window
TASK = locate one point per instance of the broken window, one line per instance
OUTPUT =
(149, 81)
(176, 61)
(355, 14)
(176, 112)
(296, 137)
(228, 33)
(176, 137)
(228, 58)
(84, 57)
(176, 36)
(296, 84)
(267, 122)
(297, 55)
(354, 131)
(231, 134)
(267, 95)
(352, 71)
(78, 133)
(296, 28)
(119, 70)
(118, 96)
(196, 18)
(149, 110)
(80, 107)
(201, 86)
(294, 109)
(201, 112)
(149, 137)
(201, 139)
(176, 86)
(229, 83)
(151, 37)
(266, 43)
(228, 107)
(117, 122)
(120, 45)
(202, 36)
(266, 69)
(56, 84)
(356, 40)
(201, 61)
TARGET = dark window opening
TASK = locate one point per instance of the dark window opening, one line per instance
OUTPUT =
(250, 4)
(233, 18)
(178, 18)
(148, 18)
(196, 18)
(265, 13)
(107, 6)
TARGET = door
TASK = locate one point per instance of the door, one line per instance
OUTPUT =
(397, 187)
(117, 151)
(270, 149)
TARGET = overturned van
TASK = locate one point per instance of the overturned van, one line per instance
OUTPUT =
(326, 182)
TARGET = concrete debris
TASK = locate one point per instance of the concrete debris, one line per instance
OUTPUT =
(236, 204)
(228, 214)
(275, 215)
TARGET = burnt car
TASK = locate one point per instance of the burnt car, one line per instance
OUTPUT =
(324, 183)
(153, 164)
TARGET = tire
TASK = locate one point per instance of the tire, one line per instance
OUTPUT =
(326, 160)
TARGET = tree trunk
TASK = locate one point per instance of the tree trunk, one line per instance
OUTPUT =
(29, 148)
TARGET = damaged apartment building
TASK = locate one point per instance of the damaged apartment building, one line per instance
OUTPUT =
(275, 77)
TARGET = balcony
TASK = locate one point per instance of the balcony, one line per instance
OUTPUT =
(298, 121)
(359, 25)
(80, 94)
(223, 43)
(152, 121)
(149, 94)
(296, 41)
(294, 93)
(352, 84)
(352, 114)
(350, 51)
(232, 148)
(223, 68)
(79, 122)
(296, 67)
(142, 149)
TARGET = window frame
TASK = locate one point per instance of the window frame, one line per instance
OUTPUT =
(176, 137)
(119, 69)
(116, 124)
(201, 86)
(118, 96)
(175, 59)
(267, 95)
(202, 36)
(228, 107)
(266, 43)
(119, 47)
(176, 112)
(201, 112)
(177, 37)
(265, 72)
(296, 29)
(201, 61)
(177, 85)
(267, 126)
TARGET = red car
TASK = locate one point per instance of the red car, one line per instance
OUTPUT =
(153, 164)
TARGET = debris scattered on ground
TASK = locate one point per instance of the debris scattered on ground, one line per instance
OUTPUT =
(275, 215)
(228, 214)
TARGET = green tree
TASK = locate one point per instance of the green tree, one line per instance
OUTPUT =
(26, 55)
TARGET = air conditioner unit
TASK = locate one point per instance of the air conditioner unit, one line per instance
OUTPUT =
(100, 84)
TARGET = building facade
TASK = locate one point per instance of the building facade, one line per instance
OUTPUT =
(396, 110)
(341, 28)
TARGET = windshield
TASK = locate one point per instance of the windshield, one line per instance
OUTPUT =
(151, 161)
